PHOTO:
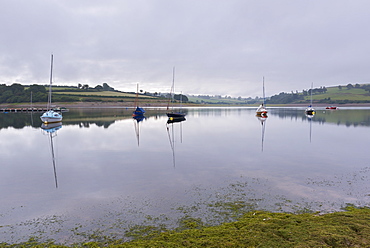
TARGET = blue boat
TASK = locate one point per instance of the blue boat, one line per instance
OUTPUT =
(138, 111)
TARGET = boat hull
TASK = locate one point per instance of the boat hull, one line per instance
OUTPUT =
(261, 113)
(310, 112)
(138, 112)
(175, 119)
(51, 117)
(176, 115)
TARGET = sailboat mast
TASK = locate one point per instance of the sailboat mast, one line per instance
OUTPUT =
(172, 88)
(311, 92)
(263, 89)
(137, 95)
(51, 81)
(173, 83)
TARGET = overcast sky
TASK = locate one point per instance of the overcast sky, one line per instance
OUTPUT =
(218, 47)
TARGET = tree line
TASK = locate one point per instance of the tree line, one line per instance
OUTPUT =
(17, 93)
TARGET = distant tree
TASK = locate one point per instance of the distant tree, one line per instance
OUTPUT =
(366, 87)
(340, 87)
(99, 88)
(106, 87)
(36, 88)
(357, 86)
(6, 95)
(3, 88)
(181, 97)
(349, 86)
(17, 88)
(85, 87)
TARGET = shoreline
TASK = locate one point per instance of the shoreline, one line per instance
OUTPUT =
(161, 105)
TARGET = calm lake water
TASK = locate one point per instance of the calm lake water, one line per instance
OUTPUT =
(102, 172)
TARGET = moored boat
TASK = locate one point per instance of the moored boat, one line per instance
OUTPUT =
(139, 111)
(261, 110)
(331, 107)
(51, 116)
(173, 114)
(310, 111)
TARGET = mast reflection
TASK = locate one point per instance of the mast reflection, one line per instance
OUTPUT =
(171, 134)
(51, 130)
(262, 120)
(137, 119)
(309, 118)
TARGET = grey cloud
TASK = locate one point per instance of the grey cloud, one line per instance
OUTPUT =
(218, 47)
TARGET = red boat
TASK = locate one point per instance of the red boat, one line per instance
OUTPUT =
(331, 107)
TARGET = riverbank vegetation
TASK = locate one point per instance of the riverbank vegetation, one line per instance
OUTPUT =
(17, 93)
(350, 228)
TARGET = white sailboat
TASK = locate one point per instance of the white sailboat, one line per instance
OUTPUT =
(51, 116)
(262, 111)
(310, 111)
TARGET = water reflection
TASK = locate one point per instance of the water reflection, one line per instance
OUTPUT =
(222, 147)
(137, 120)
(105, 118)
(170, 127)
(262, 120)
(51, 130)
(310, 121)
(348, 117)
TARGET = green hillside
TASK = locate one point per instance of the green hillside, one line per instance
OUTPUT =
(330, 95)
(336, 94)
(17, 93)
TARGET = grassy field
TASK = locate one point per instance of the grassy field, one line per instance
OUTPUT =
(104, 94)
(214, 100)
(334, 93)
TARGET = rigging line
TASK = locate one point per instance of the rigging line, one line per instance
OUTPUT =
(171, 98)
(263, 86)
(51, 82)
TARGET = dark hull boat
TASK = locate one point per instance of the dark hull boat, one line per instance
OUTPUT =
(176, 115)
(310, 111)
(173, 114)
(175, 119)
